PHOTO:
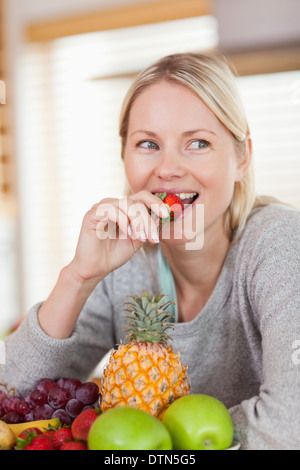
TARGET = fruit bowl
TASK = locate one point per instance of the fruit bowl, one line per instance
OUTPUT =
(235, 446)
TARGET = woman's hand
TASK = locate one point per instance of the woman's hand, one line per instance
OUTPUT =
(113, 230)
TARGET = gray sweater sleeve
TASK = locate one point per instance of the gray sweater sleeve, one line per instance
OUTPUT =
(271, 420)
(30, 354)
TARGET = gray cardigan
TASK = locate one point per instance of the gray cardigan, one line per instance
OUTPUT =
(241, 348)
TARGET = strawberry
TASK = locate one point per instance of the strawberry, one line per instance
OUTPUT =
(61, 436)
(82, 423)
(40, 442)
(24, 434)
(175, 204)
(34, 441)
(74, 445)
(50, 433)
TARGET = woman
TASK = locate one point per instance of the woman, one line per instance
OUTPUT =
(184, 131)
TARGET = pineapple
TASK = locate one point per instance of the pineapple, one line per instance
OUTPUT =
(145, 373)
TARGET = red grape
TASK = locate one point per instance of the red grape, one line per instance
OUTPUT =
(22, 407)
(64, 398)
(74, 407)
(29, 417)
(71, 385)
(45, 385)
(61, 382)
(63, 416)
(10, 403)
(58, 397)
(87, 393)
(27, 400)
(43, 412)
(13, 417)
(38, 398)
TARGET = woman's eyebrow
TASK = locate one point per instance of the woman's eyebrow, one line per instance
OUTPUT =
(185, 134)
(142, 131)
(194, 131)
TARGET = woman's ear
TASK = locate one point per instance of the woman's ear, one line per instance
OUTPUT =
(244, 164)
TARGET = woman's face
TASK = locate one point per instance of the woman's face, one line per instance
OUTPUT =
(175, 144)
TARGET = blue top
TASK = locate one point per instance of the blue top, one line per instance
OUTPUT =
(167, 283)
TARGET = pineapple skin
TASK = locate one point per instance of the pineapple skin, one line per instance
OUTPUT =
(148, 376)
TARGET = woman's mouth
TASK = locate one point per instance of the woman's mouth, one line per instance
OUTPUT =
(186, 198)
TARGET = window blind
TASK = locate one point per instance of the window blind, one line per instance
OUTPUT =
(272, 104)
(70, 153)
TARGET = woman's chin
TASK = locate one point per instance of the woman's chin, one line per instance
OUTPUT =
(172, 241)
(187, 229)
(176, 236)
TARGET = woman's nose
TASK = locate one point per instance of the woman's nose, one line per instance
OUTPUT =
(169, 166)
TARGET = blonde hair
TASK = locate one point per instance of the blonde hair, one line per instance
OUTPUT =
(210, 77)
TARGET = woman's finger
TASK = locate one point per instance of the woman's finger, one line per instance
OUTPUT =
(132, 215)
(110, 217)
(152, 202)
(141, 223)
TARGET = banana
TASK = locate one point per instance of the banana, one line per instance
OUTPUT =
(40, 424)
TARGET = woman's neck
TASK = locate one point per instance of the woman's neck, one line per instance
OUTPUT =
(196, 272)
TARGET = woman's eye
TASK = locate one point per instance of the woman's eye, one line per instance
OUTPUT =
(198, 144)
(148, 144)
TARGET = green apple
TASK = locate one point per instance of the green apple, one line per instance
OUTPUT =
(125, 428)
(199, 422)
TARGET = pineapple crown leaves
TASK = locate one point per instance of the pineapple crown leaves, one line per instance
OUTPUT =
(149, 318)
